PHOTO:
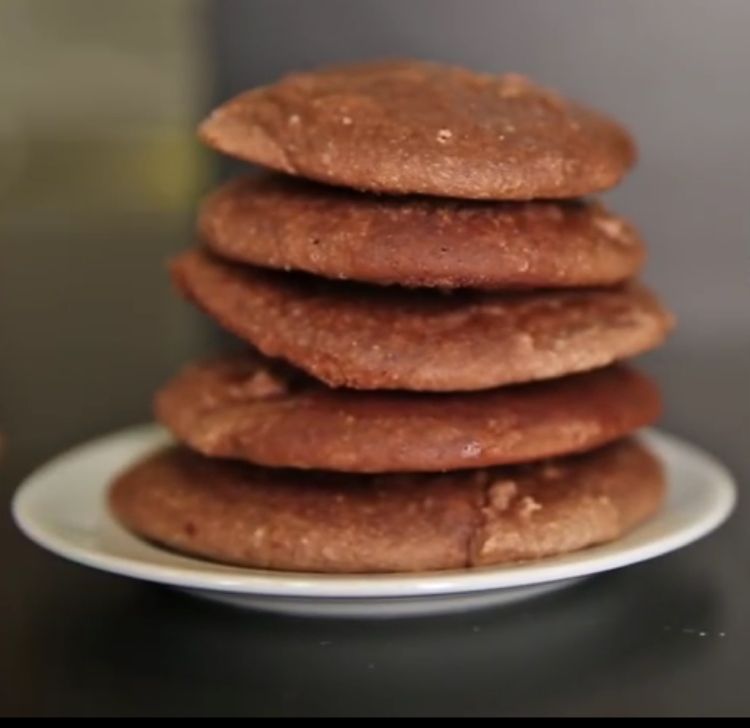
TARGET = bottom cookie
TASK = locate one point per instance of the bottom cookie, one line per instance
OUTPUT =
(333, 522)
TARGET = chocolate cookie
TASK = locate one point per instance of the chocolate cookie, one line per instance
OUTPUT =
(370, 337)
(242, 407)
(416, 127)
(282, 222)
(329, 522)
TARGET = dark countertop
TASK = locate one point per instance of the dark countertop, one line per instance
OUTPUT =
(89, 327)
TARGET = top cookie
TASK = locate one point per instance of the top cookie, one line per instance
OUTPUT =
(414, 127)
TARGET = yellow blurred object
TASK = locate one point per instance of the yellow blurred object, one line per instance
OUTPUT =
(98, 105)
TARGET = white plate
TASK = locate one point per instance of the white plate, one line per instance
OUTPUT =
(62, 508)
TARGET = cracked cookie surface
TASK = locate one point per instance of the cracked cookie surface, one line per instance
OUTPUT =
(250, 409)
(285, 223)
(327, 522)
(416, 127)
(371, 337)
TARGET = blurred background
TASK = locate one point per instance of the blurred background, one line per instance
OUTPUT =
(100, 174)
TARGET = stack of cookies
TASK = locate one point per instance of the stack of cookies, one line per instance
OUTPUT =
(436, 316)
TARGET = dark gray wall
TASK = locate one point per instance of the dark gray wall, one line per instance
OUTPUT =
(677, 72)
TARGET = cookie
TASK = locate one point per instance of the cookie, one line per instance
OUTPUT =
(245, 408)
(371, 337)
(415, 127)
(281, 222)
(326, 522)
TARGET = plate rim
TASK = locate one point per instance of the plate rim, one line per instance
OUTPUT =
(195, 573)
